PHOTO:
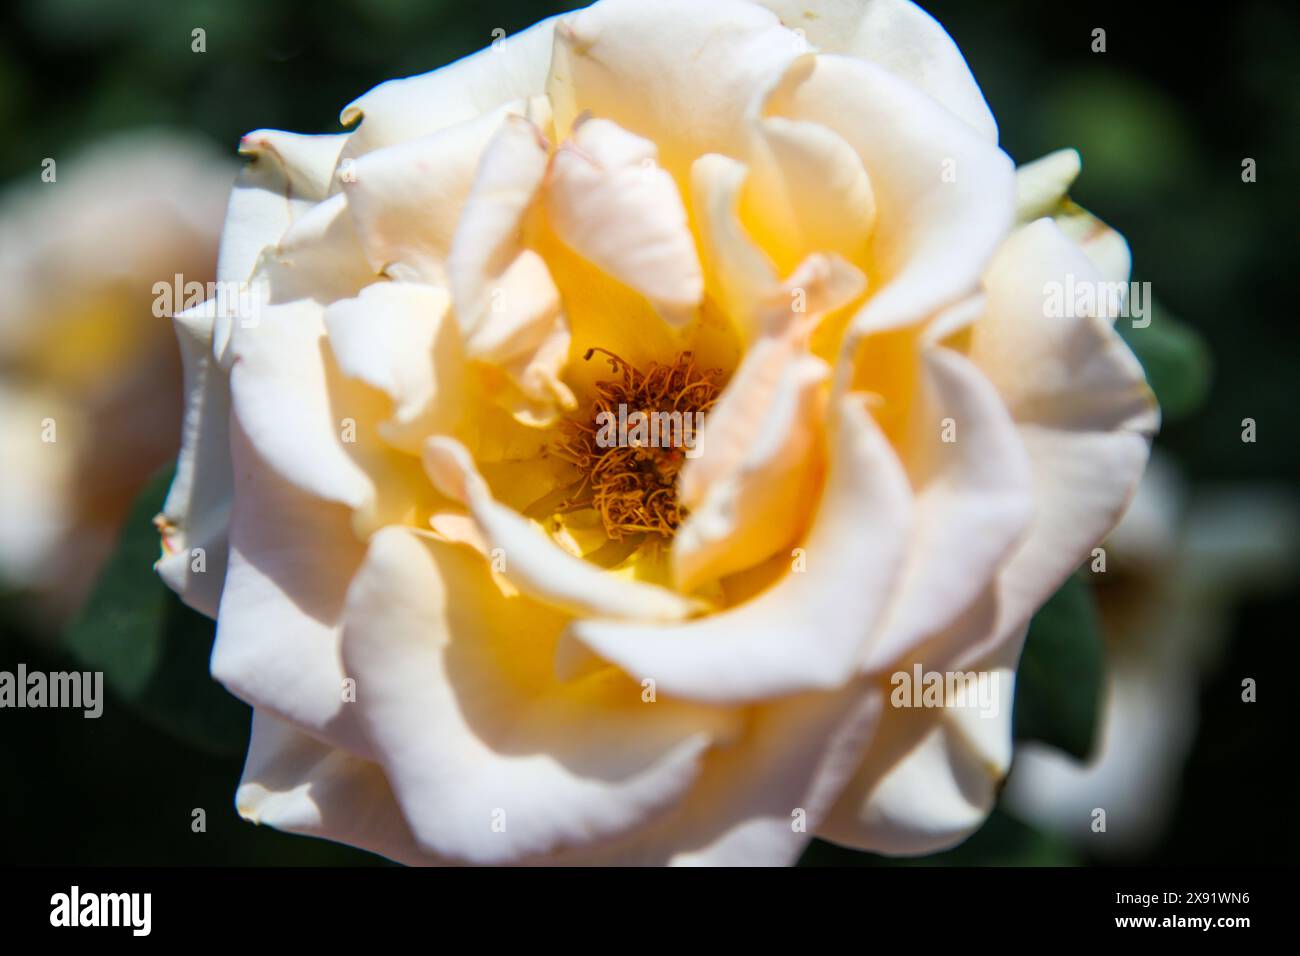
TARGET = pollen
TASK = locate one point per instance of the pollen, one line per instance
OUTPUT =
(632, 482)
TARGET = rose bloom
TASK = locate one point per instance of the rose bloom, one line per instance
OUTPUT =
(471, 632)
(89, 376)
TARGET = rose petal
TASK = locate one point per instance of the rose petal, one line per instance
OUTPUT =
(286, 175)
(295, 783)
(401, 338)
(930, 777)
(434, 644)
(196, 513)
(1042, 189)
(407, 198)
(397, 111)
(609, 200)
(278, 627)
(534, 563)
(944, 195)
(973, 501)
(899, 36)
(809, 630)
(703, 63)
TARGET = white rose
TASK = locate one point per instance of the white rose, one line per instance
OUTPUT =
(89, 377)
(471, 633)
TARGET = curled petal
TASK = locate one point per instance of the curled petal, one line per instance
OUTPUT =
(536, 565)
(196, 513)
(296, 783)
(944, 195)
(703, 62)
(809, 630)
(400, 338)
(520, 765)
(608, 199)
(899, 36)
(513, 68)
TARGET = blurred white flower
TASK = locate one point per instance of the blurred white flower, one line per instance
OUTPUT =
(89, 376)
(1176, 565)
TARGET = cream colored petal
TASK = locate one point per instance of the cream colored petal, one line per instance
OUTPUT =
(534, 563)
(401, 338)
(513, 68)
(407, 199)
(760, 798)
(280, 384)
(945, 196)
(196, 513)
(931, 776)
(809, 630)
(489, 236)
(506, 302)
(319, 257)
(608, 199)
(738, 272)
(754, 481)
(1042, 189)
(1082, 407)
(295, 783)
(973, 501)
(292, 557)
(286, 175)
(807, 192)
(767, 494)
(676, 72)
(491, 759)
(899, 36)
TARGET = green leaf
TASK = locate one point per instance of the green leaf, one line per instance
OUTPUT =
(1175, 358)
(153, 649)
(1059, 682)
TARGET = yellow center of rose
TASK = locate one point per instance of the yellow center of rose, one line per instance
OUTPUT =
(631, 442)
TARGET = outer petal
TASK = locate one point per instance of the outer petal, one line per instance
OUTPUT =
(703, 63)
(899, 36)
(809, 630)
(277, 644)
(534, 563)
(609, 200)
(1085, 417)
(1042, 189)
(1081, 404)
(930, 777)
(944, 196)
(286, 175)
(491, 759)
(196, 513)
(401, 110)
(973, 501)
(407, 199)
(401, 338)
(281, 382)
(295, 783)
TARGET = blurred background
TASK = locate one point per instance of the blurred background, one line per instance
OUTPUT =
(1131, 688)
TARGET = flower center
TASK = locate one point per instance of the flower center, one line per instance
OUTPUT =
(631, 443)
